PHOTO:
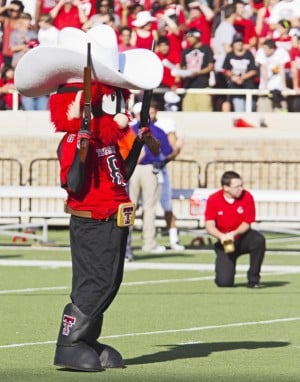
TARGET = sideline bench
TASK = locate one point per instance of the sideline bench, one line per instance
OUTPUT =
(26, 203)
(43, 203)
(272, 206)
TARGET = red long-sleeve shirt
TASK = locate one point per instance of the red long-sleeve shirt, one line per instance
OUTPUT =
(104, 186)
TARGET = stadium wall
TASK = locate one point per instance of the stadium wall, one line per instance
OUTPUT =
(26, 135)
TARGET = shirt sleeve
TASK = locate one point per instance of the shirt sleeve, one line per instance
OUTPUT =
(210, 211)
(66, 154)
(226, 64)
(166, 148)
(250, 212)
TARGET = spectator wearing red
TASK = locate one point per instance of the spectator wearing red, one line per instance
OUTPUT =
(103, 16)
(68, 13)
(168, 27)
(295, 72)
(7, 87)
(200, 17)
(9, 18)
(124, 38)
(129, 12)
(45, 6)
(144, 33)
(245, 26)
(262, 26)
(170, 60)
(282, 35)
(256, 5)
(165, 6)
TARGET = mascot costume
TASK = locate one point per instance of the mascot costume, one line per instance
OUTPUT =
(88, 81)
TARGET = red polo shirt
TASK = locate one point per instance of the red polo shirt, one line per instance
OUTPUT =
(228, 216)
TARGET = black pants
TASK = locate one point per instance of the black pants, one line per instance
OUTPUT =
(251, 242)
(98, 252)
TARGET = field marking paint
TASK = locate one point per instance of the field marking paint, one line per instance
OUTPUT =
(133, 283)
(36, 263)
(169, 331)
(191, 343)
(284, 251)
(145, 265)
(144, 282)
(25, 290)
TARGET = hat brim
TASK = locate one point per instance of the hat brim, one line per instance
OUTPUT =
(141, 23)
(43, 69)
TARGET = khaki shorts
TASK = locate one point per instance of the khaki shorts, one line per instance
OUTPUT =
(264, 104)
(196, 102)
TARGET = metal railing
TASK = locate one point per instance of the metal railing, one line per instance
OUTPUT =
(248, 93)
(44, 172)
(10, 172)
(275, 175)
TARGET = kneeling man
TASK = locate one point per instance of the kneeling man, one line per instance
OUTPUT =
(228, 217)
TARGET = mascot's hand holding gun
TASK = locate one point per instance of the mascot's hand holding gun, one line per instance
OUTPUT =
(84, 132)
(97, 155)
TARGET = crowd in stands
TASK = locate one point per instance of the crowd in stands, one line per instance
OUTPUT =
(235, 44)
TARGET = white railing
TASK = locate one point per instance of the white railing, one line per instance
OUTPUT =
(248, 93)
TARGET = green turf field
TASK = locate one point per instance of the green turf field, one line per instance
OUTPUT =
(169, 320)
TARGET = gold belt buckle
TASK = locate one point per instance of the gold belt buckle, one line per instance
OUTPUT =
(126, 214)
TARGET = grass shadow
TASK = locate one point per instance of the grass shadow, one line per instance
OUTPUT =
(165, 255)
(10, 256)
(265, 284)
(196, 350)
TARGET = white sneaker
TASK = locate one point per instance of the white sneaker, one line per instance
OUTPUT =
(129, 258)
(177, 247)
(158, 249)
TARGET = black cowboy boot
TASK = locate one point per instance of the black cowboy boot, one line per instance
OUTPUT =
(108, 356)
(73, 349)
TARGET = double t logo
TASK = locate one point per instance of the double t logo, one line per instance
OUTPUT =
(68, 322)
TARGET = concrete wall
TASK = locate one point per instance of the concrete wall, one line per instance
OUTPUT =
(26, 135)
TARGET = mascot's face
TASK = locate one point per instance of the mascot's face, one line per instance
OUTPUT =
(66, 106)
(109, 117)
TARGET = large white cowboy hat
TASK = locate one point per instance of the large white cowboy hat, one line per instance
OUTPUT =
(44, 68)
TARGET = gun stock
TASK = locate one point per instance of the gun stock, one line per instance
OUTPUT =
(146, 101)
(87, 94)
(152, 143)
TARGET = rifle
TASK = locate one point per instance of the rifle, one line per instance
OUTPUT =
(149, 140)
(87, 94)
(146, 101)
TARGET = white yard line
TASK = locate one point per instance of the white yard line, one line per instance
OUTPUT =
(273, 270)
(136, 265)
(170, 331)
(26, 290)
(129, 283)
(135, 283)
